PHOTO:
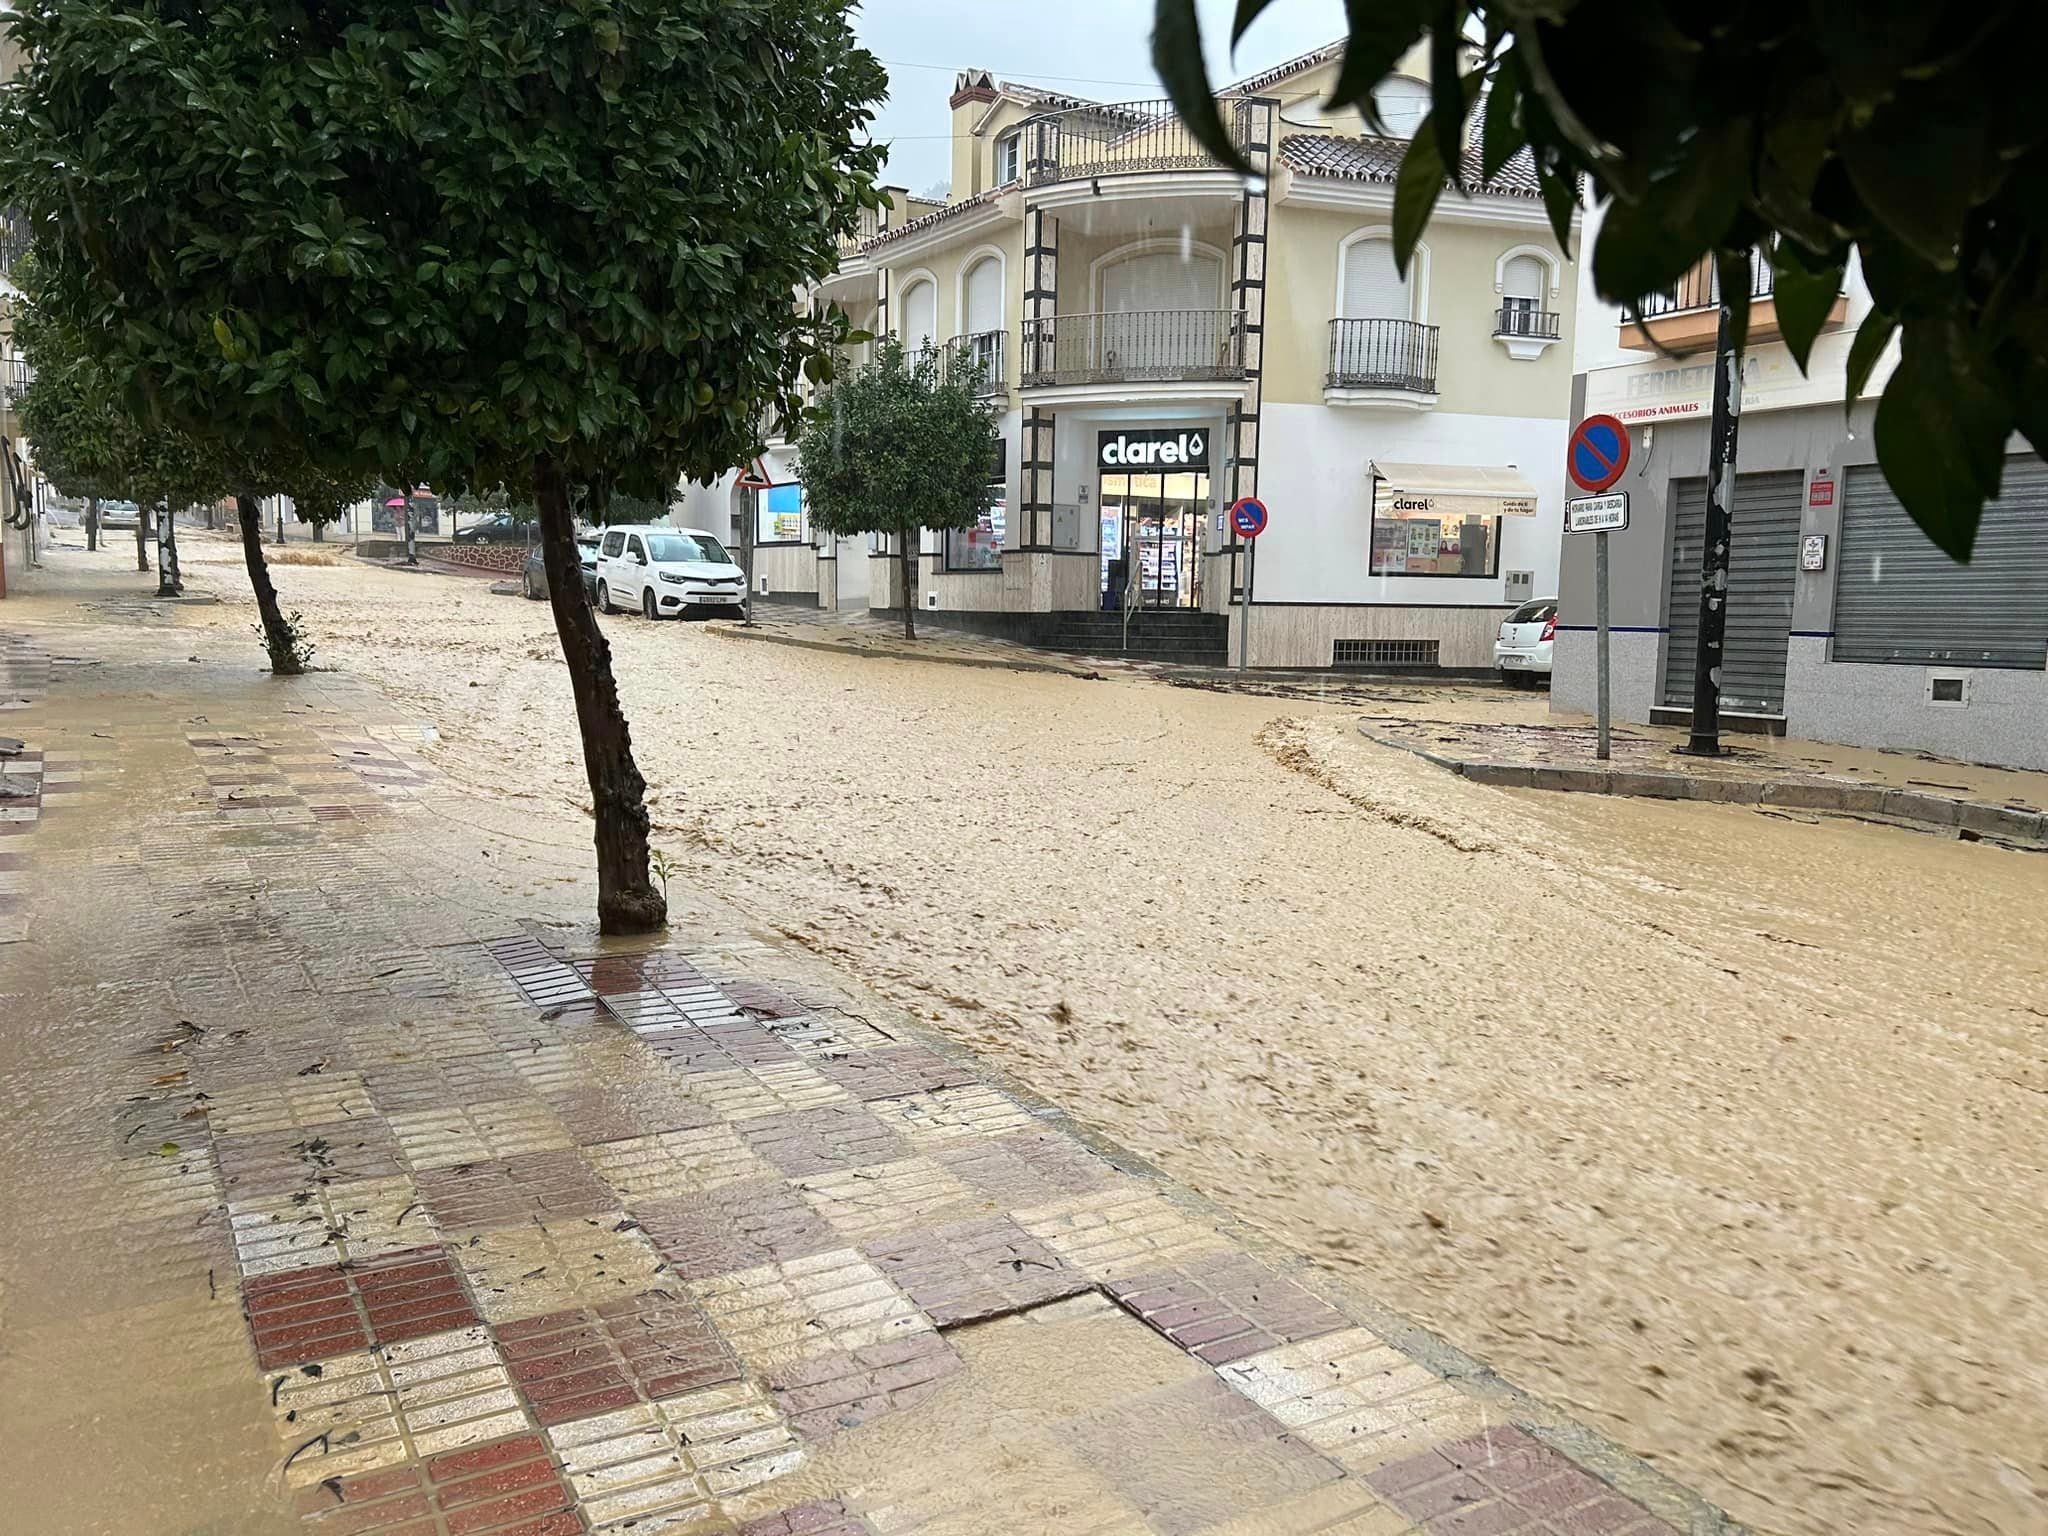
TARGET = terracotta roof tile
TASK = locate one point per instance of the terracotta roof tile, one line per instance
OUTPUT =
(1345, 158)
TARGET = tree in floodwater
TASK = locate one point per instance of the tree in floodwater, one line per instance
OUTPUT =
(479, 245)
(903, 444)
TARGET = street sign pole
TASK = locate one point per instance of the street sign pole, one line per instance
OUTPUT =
(1244, 619)
(1599, 515)
(1248, 519)
(1600, 619)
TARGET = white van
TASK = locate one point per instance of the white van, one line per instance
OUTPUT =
(665, 571)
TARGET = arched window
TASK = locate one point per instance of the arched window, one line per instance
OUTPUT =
(984, 286)
(1162, 308)
(1402, 103)
(1162, 279)
(920, 327)
(1373, 289)
(1521, 284)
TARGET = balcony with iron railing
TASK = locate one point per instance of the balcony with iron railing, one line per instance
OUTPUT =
(1139, 346)
(15, 377)
(982, 357)
(1381, 361)
(1131, 137)
(1525, 331)
(1688, 318)
(1535, 324)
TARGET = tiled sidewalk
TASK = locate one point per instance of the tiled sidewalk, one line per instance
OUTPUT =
(525, 1235)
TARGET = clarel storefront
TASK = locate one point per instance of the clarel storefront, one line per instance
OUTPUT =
(1152, 492)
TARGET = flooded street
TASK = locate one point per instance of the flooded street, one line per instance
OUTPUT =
(1722, 1129)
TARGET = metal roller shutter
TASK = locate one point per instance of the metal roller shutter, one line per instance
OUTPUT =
(1899, 599)
(1763, 566)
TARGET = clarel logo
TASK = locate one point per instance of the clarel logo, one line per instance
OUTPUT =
(1413, 504)
(1154, 449)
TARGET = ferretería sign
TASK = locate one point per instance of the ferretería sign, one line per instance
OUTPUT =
(1151, 448)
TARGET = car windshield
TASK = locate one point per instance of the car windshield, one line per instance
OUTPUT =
(1534, 613)
(686, 546)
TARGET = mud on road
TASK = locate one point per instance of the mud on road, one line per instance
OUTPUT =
(1725, 1131)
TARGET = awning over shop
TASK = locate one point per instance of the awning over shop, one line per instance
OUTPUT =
(1450, 490)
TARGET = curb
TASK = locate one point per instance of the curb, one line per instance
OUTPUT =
(729, 631)
(1968, 819)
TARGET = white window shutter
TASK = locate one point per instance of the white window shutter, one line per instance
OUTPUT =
(1524, 278)
(920, 315)
(1373, 290)
(985, 296)
(1163, 280)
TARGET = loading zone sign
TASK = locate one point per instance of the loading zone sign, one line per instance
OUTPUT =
(1597, 514)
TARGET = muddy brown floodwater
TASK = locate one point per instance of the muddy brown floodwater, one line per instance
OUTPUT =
(1724, 1130)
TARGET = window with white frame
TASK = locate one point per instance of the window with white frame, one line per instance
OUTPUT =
(1521, 295)
(1009, 158)
(1374, 288)
(920, 315)
(1402, 104)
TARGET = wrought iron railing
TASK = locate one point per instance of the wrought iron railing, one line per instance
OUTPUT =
(1513, 320)
(982, 356)
(1118, 138)
(1700, 288)
(1133, 346)
(872, 223)
(14, 240)
(15, 377)
(1382, 354)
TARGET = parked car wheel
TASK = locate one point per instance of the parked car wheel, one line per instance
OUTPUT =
(647, 603)
(532, 596)
(604, 599)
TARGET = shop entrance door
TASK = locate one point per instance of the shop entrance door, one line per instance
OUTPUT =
(1152, 534)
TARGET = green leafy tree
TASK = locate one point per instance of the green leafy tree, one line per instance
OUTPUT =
(88, 444)
(901, 445)
(469, 244)
(1911, 133)
(322, 498)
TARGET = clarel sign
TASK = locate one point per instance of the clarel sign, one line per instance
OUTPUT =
(1153, 448)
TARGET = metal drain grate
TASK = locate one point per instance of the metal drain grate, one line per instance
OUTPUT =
(1384, 653)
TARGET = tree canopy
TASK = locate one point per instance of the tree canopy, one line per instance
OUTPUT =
(1909, 132)
(899, 445)
(446, 238)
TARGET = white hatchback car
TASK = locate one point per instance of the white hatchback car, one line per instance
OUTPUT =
(665, 571)
(1522, 653)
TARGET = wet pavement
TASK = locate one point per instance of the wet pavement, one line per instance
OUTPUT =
(1718, 1125)
(1917, 788)
(350, 1185)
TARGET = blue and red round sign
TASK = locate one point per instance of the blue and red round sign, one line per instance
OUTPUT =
(1248, 517)
(1598, 453)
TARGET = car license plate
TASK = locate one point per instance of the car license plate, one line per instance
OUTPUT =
(1514, 661)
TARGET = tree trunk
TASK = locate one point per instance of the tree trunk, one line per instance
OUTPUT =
(168, 581)
(627, 901)
(92, 522)
(319, 533)
(412, 524)
(280, 520)
(279, 638)
(909, 589)
(141, 541)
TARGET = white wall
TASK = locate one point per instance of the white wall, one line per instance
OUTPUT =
(1313, 478)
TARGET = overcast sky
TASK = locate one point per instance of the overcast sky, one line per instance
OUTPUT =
(1051, 43)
